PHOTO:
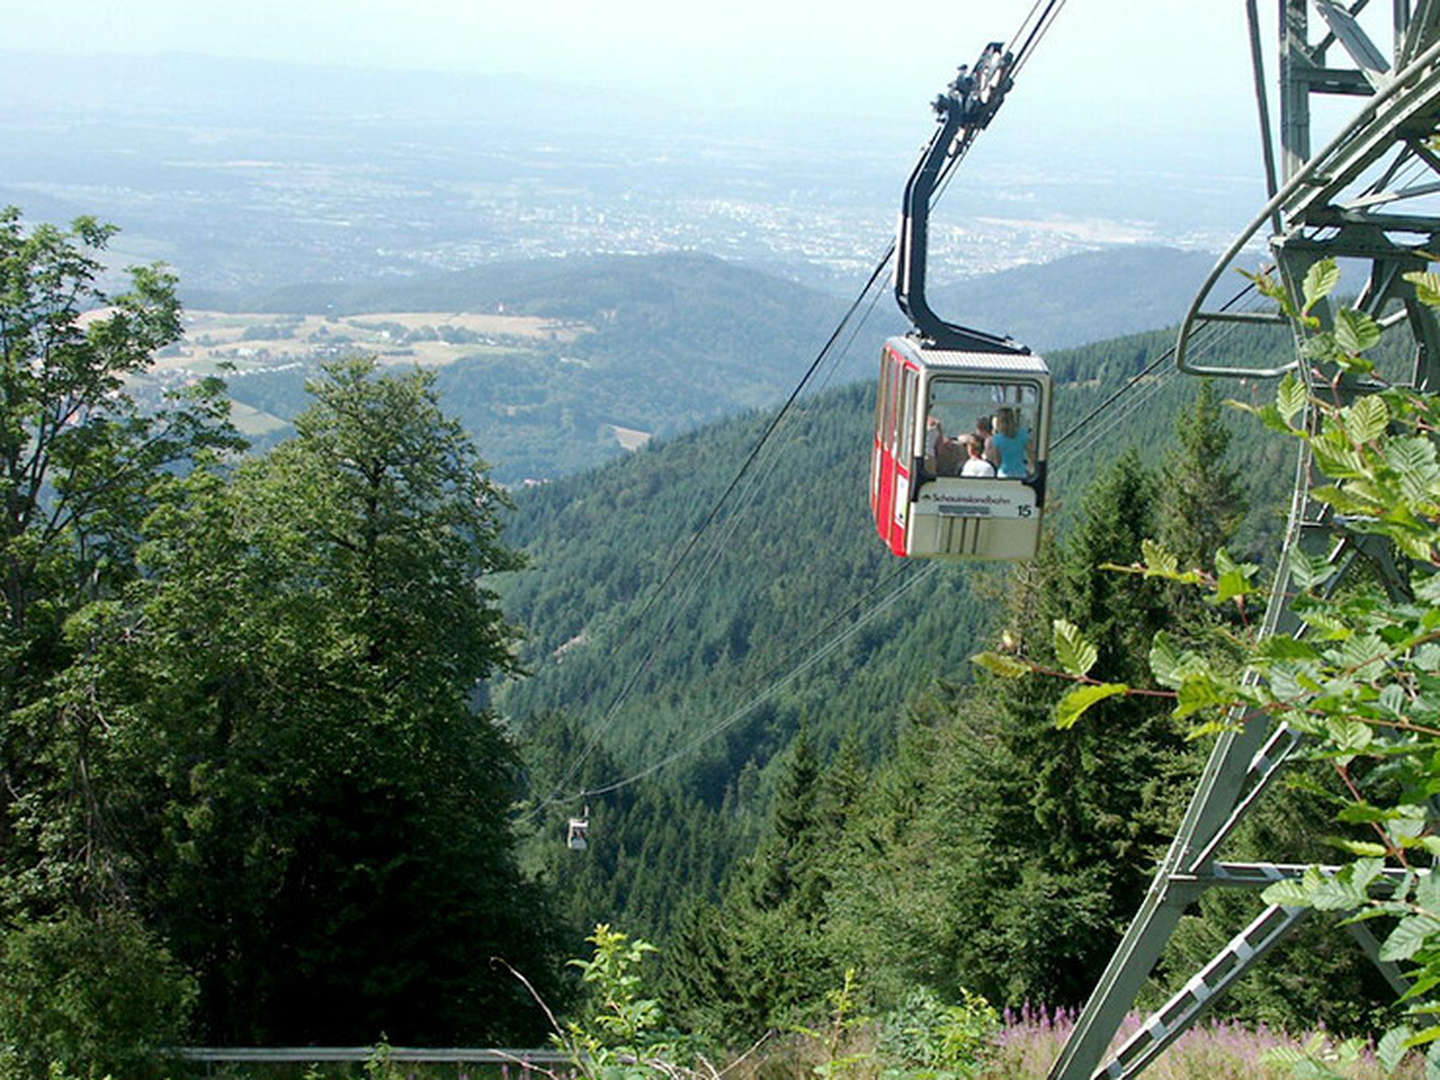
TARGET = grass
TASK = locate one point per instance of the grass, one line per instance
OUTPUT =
(1219, 1050)
(1025, 1048)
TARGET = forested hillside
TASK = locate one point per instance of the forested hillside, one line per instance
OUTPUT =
(663, 343)
(289, 739)
(883, 809)
(786, 611)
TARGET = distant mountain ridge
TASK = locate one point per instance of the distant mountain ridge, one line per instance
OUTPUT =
(674, 341)
(1066, 302)
(682, 339)
(1081, 298)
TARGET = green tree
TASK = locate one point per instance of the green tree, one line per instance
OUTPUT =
(95, 995)
(297, 790)
(1006, 856)
(81, 457)
(1202, 501)
(785, 865)
(88, 447)
(760, 958)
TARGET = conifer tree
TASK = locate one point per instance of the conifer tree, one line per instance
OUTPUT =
(1202, 499)
(760, 957)
(785, 864)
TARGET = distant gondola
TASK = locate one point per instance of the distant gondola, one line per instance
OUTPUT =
(577, 837)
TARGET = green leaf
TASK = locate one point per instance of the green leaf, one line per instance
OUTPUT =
(1076, 655)
(1413, 457)
(1232, 578)
(1165, 661)
(1427, 286)
(1320, 282)
(1393, 699)
(1073, 705)
(1232, 583)
(1200, 692)
(1427, 890)
(1362, 654)
(1355, 331)
(1002, 664)
(1286, 894)
(1280, 647)
(1362, 847)
(1344, 500)
(1350, 736)
(1158, 560)
(1367, 419)
(1291, 397)
(1363, 814)
(1409, 937)
(1308, 571)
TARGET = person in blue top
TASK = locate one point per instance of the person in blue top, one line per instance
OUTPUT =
(1011, 444)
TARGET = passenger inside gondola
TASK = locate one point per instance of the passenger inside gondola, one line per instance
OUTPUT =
(997, 417)
(984, 436)
(934, 434)
(949, 455)
(975, 464)
(1012, 443)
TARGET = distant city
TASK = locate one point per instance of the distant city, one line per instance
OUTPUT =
(270, 194)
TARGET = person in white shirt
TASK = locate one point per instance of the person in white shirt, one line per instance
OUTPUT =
(976, 465)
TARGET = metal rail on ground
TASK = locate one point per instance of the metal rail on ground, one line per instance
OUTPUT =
(276, 1055)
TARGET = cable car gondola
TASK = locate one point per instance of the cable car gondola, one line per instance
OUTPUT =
(577, 837)
(946, 388)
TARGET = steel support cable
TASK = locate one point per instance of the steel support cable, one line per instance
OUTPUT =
(1114, 423)
(1037, 32)
(611, 713)
(681, 560)
(1116, 418)
(748, 498)
(1020, 30)
(739, 713)
(767, 465)
(770, 676)
(1164, 357)
(1052, 9)
(706, 562)
(1209, 338)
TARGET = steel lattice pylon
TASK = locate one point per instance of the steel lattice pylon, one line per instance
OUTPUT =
(1370, 196)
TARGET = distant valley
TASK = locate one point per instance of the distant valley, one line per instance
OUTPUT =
(557, 365)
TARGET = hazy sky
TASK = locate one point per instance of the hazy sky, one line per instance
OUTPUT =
(1144, 62)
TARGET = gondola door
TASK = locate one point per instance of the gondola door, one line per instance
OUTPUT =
(892, 460)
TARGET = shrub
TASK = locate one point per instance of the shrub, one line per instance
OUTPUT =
(88, 996)
(927, 1038)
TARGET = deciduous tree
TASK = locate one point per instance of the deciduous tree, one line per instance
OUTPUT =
(297, 790)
